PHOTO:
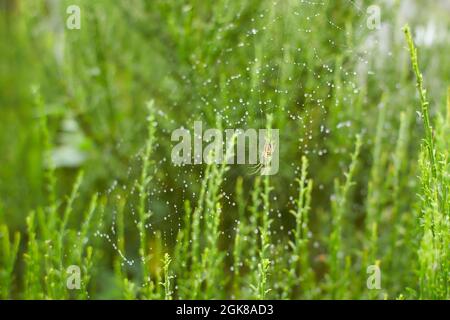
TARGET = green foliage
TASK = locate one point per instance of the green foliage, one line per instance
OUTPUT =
(86, 178)
(434, 249)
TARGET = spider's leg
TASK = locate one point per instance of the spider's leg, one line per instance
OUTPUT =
(256, 167)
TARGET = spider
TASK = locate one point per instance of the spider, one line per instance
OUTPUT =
(265, 159)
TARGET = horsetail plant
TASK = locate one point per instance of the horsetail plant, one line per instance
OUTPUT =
(338, 266)
(8, 258)
(167, 277)
(238, 245)
(434, 249)
(300, 267)
(265, 220)
(143, 212)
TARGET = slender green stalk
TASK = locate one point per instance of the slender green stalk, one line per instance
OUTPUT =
(264, 264)
(238, 245)
(143, 212)
(375, 187)
(50, 175)
(8, 258)
(300, 268)
(33, 284)
(212, 257)
(434, 252)
(399, 164)
(167, 277)
(424, 104)
(339, 206)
